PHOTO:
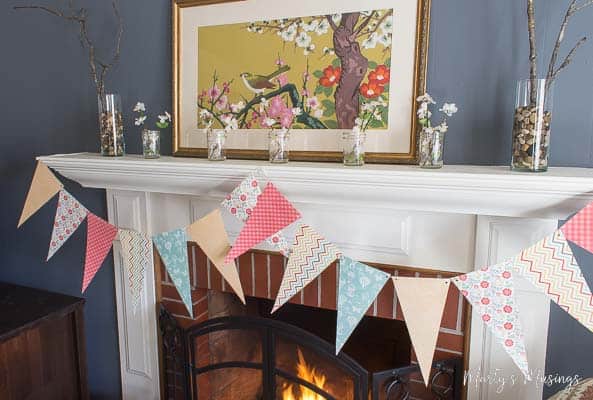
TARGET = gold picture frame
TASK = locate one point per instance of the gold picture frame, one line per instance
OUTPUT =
(420, 62)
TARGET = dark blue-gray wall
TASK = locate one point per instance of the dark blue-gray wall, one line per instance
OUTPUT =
(47, 105)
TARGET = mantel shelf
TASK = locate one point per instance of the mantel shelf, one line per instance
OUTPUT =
(466, 189)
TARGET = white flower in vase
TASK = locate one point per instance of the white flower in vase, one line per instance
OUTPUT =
(448, 109)
(139, 107)
(140, 120)
(269, 122)
(425, 98)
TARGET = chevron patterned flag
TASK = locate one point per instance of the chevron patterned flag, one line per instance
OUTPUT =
(310, 256)
(491, 292)
(551, 267)
(271, 213)
(99, 239)
(358, 287)
(579, 229)
(69, 215)
(172, 246)
(136, 251)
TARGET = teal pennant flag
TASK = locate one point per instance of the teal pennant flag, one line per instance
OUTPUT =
(358, 287)
(172, 246)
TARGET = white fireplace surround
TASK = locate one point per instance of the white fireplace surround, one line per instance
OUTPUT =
(456, 219)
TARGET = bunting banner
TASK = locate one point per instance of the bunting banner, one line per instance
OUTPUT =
(579, 228)
(210, 235)
(491, 292)
(271, 213)
(99, 239)
(551, 267)
(310, 256)
(422, 301)
(358, 287)
(241, 201)
(43, 187)
(172, 247)
(69, 215)
(137, 255)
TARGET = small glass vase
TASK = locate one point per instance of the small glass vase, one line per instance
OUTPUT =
(216, 141)
(151, 143)
(278, 147)
(353, 147)
(532, 125)
(111, 126)
(430, 148)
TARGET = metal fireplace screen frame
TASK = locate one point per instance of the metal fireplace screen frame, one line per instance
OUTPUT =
(179, 355)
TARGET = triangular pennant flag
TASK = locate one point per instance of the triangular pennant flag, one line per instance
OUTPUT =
(310, 256)
(579, 229)
(99, 238)
(358, 287)
(422, 301)
(69, 215)
(136, 251)
(210, 235)
(551, 267)
(43, 187)
(242, 200)
(172, 246)
(491, 291)
(271, 213)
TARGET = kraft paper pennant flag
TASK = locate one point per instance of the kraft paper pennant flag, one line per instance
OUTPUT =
(136, 251)
(241, 201)
(551, 267)
(271, 213)
(172, 246)
(99, 239)
(43, 187)
(358, 287)
(69, 215)
(491, 292)
(579, 229)
(422, 301)
(210, 235)
(310, 256)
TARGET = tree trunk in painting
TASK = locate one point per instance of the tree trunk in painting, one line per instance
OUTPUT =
(354, 67)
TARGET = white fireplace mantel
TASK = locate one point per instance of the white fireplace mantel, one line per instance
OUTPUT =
(457, 218)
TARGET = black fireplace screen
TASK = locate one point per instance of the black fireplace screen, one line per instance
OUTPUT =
(253, 358)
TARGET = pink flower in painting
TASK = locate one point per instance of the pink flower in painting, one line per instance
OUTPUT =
(222, 103)
(313, 102)
(282, 79)
(280, 62)
(286, 119)
(214, 92)
(277, 107)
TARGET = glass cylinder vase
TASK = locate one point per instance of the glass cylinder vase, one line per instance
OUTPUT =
(430, 148)
(111, 126)
(278, 147)
(216, 140)
(353, 148)
(151, 143)
(532, 125)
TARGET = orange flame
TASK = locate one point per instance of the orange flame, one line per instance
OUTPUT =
(309, 374)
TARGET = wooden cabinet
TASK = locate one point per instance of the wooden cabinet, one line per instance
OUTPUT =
(42, 345)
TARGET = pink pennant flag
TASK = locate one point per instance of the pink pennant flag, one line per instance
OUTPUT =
(579, 229)
(271, 213)
(100, 237)
(69, 215)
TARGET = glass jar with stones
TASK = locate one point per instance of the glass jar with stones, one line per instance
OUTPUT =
(532, 125)
(111, 126)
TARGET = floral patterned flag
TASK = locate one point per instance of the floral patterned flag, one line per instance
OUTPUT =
(551, 267)
(172, 246)
(358, 287)
(99, 239)
(271, 213)
(310, 256)
(422, 301)
(241, 201)
(491, 292)
(136, 251)
(43, 187)
(69, 215)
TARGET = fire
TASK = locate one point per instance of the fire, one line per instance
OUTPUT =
(309, 374)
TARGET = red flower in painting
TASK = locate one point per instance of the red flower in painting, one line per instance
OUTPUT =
(331, 76)
(371, 90)
(380, 75)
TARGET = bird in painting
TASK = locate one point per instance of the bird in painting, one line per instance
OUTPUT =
(259, 83)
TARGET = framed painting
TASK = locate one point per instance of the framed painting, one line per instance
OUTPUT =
(312, 65)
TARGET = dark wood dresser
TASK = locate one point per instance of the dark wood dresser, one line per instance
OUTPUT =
(42, 345)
